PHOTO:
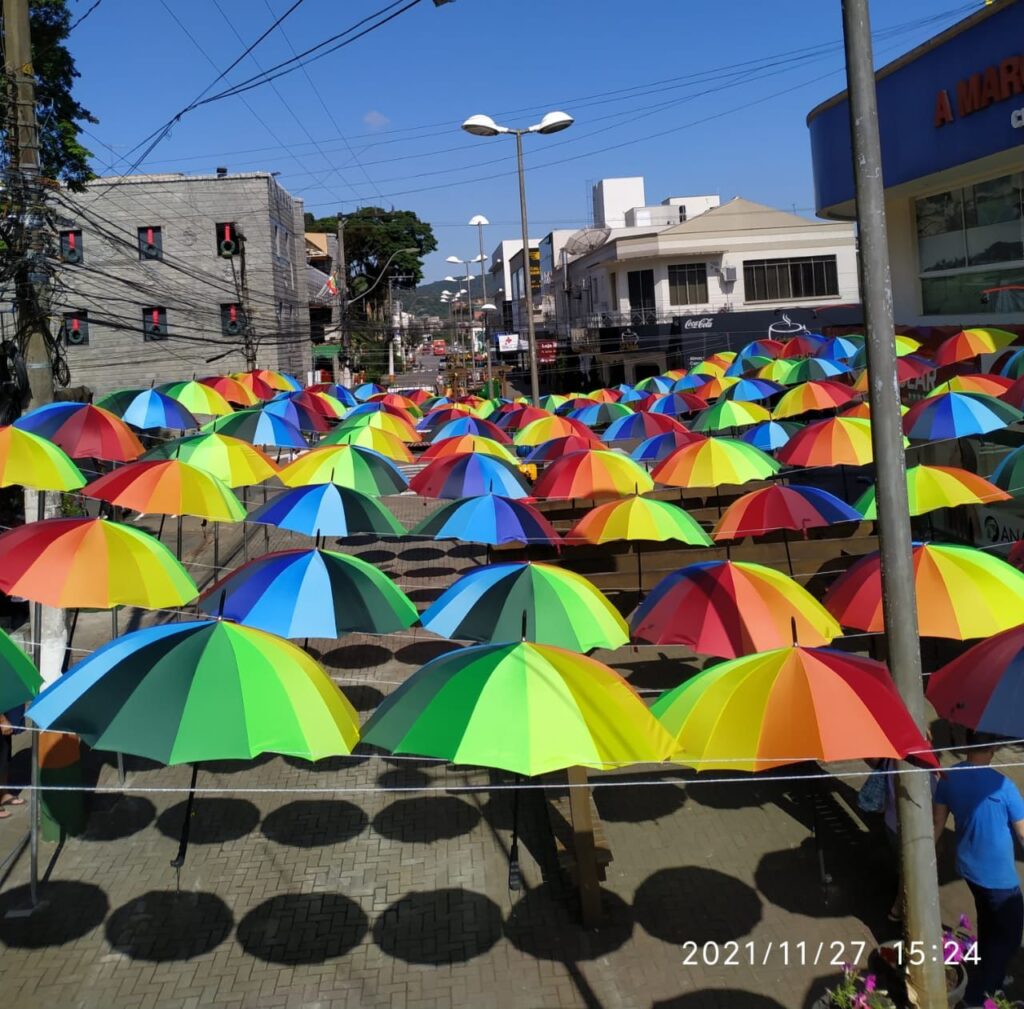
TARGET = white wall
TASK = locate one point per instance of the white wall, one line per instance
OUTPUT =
(613, 197)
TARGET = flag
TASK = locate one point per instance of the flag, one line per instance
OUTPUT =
(332, 286)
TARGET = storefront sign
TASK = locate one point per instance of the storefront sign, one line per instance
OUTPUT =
(994, 84)
(547, 351)
(997, 525)
(534, 270)
(507, 342)
(705, 323)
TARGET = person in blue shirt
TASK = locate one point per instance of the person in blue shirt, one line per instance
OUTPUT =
(987, 812)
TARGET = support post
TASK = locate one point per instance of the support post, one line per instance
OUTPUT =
(531, 334)
(341, 279)
(917, 848)
(583, 846)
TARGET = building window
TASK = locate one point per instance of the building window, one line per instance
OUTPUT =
(231, 321)
(790, 279)
(72, 250)
(227, 240)
(76, 328)
(154, 323)
(151, 243)
(970, 246)
(642, 309)
(688, 284)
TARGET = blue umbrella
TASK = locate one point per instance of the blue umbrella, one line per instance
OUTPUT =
(152, 408)
(295, 413)
(327, 510)
(489, 519)
(771, 434)
(661, 446)
(470, 425)
(632, 395)
(458, 476)
(690, 382)
(366, 390)
(339, 392)
(752, 390)
(840, 348)
(677, 404)
(259, 427)
(958, 415)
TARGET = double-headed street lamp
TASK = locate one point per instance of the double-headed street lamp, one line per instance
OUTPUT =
(485, 126)
(478, 221)
(469, 298)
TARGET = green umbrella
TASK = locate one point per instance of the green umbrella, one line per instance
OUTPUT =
(19, 679)
(730, 413)
(118, 401)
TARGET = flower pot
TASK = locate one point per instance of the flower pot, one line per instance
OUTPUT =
(956, 984)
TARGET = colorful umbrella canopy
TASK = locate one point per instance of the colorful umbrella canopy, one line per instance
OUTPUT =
(327, 510)
(731, 608)
(803, 345)
(728, 414)
(838, 441)
(812, 396)
(983, 687)
(295, 414)
(19, 679)
(373, 438)
(232, 460)
(116, 402)
(347, 466)
(271, 379)
(958, 415)
(258, 427)
(529, 602)
(1009, 474)
(795, 507)
(597, 473)
(489, 519)
(1010, 364)
(539, 431)
(558, 447)
(786, 706)
(817, 369)
(907, 369)
(961, 593)
(655, 383)
(458, 476)
(638, 426)
(714, 462)
(971, 343)
(257, 385)
(716, 387)
(83, 431)
(344, 396)
(467, 444)
(780, 370)
(770, 434)
(688, 383)
(232, 390)
(396, 399)
(441, 415)
(637, 519)
(601, 414)
(167, 487)
(28, 460)
(752, 390)
(201, 690)
(605, 395)
(906, 345)
(989, 385)
(310, 594)
(366, 390)
(524, 708)
(197, 397)
(401, 429)
(517, 417)
(91, 564)
(153, 408)
(762, 348)
(552, 402)
(932, 487)
(677, 404)
(378, 406)
(471, 425)
(660, 446)
(712, 369)
(840, 348)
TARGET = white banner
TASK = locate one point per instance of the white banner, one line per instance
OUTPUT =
(507, 342)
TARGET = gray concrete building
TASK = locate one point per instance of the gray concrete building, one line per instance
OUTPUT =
(163, 277)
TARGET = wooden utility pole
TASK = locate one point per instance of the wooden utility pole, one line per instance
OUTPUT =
(341, 279)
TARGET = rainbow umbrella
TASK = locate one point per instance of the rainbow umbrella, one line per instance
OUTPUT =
(232, 460)
(786, 706)
(436, 418)
(19, 679)
(710, 368)
(731, 608)
(715, 388)
(812, 396)
(201, 690)
(418, 396)
(552, 402)
(637, 519)
(970, 343)
(152, 408)
(489, 519)
(746, 366)
(600, 414)
(982, 688)
(933, 487)
(326, 405)
(396, 399)
(459, 476)
(271, 379)
(296, 415)
(524, 708)
(385, 422)
(638, 400)
(366, 390)
(557, 447)
(958, 415)
(539, 431)
(989, 385)
(376, 406)
(342, 395)
(838, 441)
(729, 414)
(232, 390)
(529, 602)
(761, 348)
(471, 426)
(907, 369)
(1010, 365)
(605, 395)
(796, 508)
(83, 431)
(674, 373)
(347, 466)
(677, 404)
(779, 370)
(28, 460)
(770, 434)
(310, 594)
(817, 369)
(840, 348)
(655, 383)
(803, 345)
(1009, 474)
(257, 385)
(961, 593)
(660, 446)
(197, 397)
(167, 487)
(327, 510)
(91, 564)
(752, 390)
(258, 427)
(373, 438)
(714, 462)
(690, 382)
(639, 426)
(906, 345)
(598, 473)
(517, 417)
(116, 402)
(573, 403)
(467, 444)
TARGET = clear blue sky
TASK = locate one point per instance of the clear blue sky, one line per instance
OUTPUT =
(697, 97)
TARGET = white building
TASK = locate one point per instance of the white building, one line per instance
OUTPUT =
(613, 198)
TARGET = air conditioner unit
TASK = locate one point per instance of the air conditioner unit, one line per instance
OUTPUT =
(728, 274)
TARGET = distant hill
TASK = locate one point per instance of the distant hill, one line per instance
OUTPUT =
(426, 299)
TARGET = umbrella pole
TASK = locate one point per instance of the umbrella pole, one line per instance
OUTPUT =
(114, 632)
(160, 531)
(33, 813)
(515, 876)
(266, 528)
(177, 547)
(639, 575)
(179, 860)
(216, 549)
(789, 559)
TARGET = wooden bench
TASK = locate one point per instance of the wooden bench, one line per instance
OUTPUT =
(560, 818)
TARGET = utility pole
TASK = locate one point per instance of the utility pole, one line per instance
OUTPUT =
(341, 279)
(914, 802)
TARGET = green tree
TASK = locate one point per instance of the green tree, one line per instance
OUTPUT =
(61, 154)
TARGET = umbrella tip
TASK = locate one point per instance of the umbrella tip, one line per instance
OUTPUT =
(796, 637)
(220, 603)
(524, 626)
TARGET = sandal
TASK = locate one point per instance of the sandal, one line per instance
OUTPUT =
(4, 814)
(14, 800)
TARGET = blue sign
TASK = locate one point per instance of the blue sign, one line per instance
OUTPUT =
(957, 102)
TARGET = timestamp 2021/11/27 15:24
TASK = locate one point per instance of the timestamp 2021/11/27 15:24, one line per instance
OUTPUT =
(785, 953)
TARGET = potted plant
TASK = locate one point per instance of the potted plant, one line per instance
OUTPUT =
(855, 991)
(1000, 1001)
(959, 944)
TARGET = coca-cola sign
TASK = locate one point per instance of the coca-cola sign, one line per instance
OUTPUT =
(705, 323)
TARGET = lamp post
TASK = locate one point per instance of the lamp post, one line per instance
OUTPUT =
(478, 221)
(485, 308)
(485, 126)
(469, 315)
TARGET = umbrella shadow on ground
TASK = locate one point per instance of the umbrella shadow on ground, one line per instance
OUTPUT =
(378, 558)
(163, 925)
(425, 819)
(303, 928)
(643, 803)
(645, 672)
(436, 573)
(361, 696)
(404, 778)
(421, 652)
(721, 907)
(214, 821)
(419, 554)
(95, 760)
(719, 998)
(69, 909)
(426, 596)
(365, 655)
(235, 766)
(113, 817)
(331, 765)
(439, 927)
(311, 823)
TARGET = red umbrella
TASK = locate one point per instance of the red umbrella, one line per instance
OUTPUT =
(801, 346)
(593, 474)
(84, 431)
(520, 417)
(557, 447)
(778, 507)
(1015, 394)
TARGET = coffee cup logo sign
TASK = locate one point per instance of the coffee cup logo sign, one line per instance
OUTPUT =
(785, 328)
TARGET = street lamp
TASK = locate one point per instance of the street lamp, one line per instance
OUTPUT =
(469, 280)
(478, 221)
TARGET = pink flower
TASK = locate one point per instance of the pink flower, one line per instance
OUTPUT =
(965, 922)
(848, 969)
(989, 1004)
(869, 982)
(860, 1002)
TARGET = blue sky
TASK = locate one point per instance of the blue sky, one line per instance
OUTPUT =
(697, 97)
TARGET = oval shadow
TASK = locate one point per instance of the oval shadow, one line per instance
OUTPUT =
(729, 909)
(437, 572)
(162, 926)
(423, 595)
(375, 557)
(325, 764)
(406, 778)
(417, 555)
(236, 766)
(302, 928)
(69, 910)
(426, 819)
(734, 998)
(309, 823)
(214, 821)
(440, 926)
(362, 697)
(117, 816)
(634, 805)
(419, 653)
(362, 656)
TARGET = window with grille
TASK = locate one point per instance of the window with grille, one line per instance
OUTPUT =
(688, 284)
(790, 279)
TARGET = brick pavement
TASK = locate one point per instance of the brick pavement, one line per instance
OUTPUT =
(369, 898)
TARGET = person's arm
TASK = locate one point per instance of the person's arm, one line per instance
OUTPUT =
(1018, 829)
(940, 814)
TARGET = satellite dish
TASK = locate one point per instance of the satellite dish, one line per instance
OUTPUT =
(586, 240)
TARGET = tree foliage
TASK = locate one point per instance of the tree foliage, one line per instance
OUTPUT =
(60, 116)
